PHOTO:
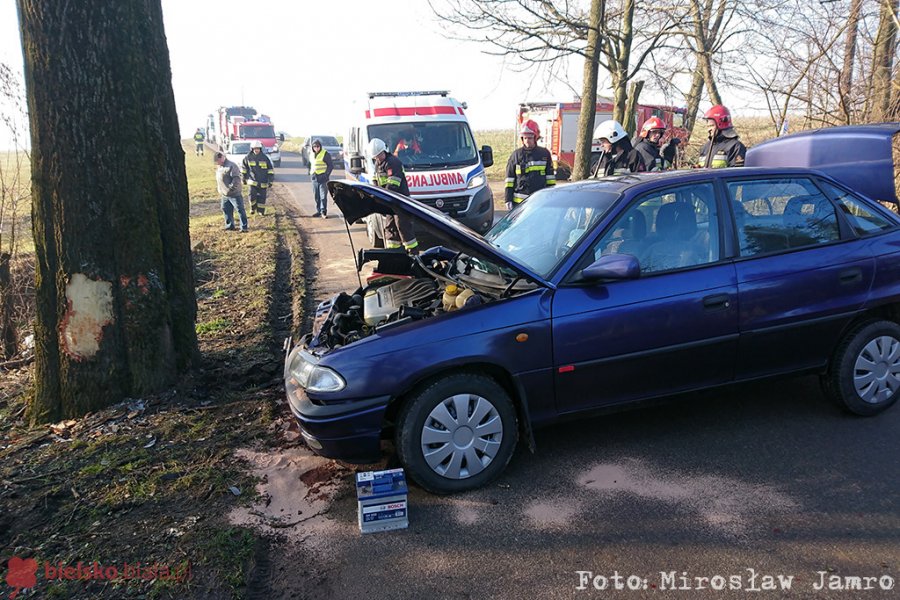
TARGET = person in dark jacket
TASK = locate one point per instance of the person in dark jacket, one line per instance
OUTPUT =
(257, 170)
(199, 138)
(617, 156)
(530, 167)
(656, 158)
(228, 182)
(724, 147)
(320, 168)
(398, 229)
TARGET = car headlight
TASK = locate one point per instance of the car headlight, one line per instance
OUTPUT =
(275, 148)
(315, 378)
(476, 181)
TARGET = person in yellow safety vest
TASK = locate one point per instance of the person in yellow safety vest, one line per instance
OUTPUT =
(724, 147)
(320, 168)
(398, 229)
(257, 168)
(199, 138)
(530, 167)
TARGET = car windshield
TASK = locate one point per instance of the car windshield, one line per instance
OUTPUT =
(543, 231)
(326, 140)
(258, 131)
(424, 146)
(240, 148)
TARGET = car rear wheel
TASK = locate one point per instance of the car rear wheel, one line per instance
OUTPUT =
(457, 434)
(865, 372)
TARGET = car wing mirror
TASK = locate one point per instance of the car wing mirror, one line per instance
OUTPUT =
(610, 267)
(487, 156)
(357, 165)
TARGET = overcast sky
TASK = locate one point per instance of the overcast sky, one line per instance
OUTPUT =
(306, 63)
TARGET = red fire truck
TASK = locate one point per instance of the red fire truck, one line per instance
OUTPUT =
(242, 123)
(559, 126)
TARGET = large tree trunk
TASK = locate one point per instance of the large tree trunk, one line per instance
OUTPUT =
(846, 83)
(582, 164)
(883, 62)
(115, 292)
(706, 31)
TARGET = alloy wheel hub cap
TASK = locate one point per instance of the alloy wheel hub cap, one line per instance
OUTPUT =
(461, 436)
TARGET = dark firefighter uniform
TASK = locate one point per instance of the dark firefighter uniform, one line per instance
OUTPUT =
(398, 230)
(198, 140)
(527, 171)
(623, 159)
(654, 157)
(258, 169)
(725, 150)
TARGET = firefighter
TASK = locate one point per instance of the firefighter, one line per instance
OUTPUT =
(656, 158)
(398, 229)
(199, 138)
(257, 170)
(617, 156)
(724, 147)
(530, 167)
(320, 168)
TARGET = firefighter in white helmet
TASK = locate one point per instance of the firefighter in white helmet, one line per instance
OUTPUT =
(617, 156)
(398, 229)
(530, 167)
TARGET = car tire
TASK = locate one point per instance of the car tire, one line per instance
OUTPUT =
(457, 444)
(864, 374)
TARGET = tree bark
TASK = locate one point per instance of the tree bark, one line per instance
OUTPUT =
(693, 100)
(846, 82)
(622, 62)
(883, 62)
(582, 166)
(8, 339)
(115, 292)
(630, 106)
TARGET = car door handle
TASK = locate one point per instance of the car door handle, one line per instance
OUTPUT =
(717, 302)
(850, 276)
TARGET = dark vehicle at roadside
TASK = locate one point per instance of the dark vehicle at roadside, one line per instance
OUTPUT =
(603, 293)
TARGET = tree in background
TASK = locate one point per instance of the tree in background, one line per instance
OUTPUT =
(542, 33)
(114, 281)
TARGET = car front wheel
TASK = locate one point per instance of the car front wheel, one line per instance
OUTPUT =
(865, 372)
(457, 434)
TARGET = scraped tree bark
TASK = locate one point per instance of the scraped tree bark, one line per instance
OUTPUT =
(115, 292)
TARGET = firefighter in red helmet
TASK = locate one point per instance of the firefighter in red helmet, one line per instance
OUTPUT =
(657, 156)
(724, 147)
(530, 167)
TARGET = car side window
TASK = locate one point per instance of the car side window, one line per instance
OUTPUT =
(775, 215)
(669, 229)
(863, 219)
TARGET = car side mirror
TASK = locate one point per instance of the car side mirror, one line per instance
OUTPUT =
(280, 137)
(487, 156)
(357, 165)
(611, 266)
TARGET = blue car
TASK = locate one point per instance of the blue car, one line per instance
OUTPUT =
(603, 293)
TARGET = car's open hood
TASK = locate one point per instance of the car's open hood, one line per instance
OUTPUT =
(859, 156)
(358, 200)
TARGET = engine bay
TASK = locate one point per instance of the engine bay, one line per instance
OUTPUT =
(407, 288)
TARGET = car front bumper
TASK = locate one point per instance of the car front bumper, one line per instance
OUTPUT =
(350, 431)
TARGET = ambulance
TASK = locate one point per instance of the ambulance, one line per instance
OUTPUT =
(429, 132)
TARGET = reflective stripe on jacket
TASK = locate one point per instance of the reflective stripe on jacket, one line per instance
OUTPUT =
(258, 168)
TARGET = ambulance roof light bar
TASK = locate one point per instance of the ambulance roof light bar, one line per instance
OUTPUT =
(434, 93)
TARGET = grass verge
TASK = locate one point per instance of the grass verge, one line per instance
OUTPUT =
(148, 483)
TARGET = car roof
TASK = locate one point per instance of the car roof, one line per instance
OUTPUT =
(629, 181)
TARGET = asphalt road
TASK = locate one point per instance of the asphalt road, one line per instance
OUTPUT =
(737, 486)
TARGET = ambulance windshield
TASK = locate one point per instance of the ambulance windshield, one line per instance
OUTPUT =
(428, 146)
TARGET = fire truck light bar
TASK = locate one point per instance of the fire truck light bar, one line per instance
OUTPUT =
(381, 94)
